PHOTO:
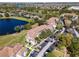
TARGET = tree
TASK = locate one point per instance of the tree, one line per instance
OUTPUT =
(45, 34)
(37, 39)
(66, 39)
(59, 26)
(1, 15)
(17, 28)
(40, 22)
(6, 15)
(74, 48)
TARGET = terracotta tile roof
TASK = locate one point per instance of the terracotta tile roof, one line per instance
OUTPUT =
(52, 20)
(10, 51)
(34, 32)
(21, 51)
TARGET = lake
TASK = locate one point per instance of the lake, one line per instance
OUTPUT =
(73, 7)
(7, 26)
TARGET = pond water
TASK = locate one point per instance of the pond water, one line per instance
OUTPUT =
(7, 26)
(74, 7)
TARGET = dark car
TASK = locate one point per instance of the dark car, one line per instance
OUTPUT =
(33, 54)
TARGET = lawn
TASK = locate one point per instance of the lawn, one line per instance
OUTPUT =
(22, 18)
(55, 53)
(19, 18)
(12, 39)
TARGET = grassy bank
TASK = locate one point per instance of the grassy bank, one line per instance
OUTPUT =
(12, 39)
(19, 18)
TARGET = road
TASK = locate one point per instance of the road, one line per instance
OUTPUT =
(63, 30)
(41, 53)
(44, 46)
(76, 33)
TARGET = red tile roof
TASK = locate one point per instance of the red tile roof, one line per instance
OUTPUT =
(34, 32)
(10, 51)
